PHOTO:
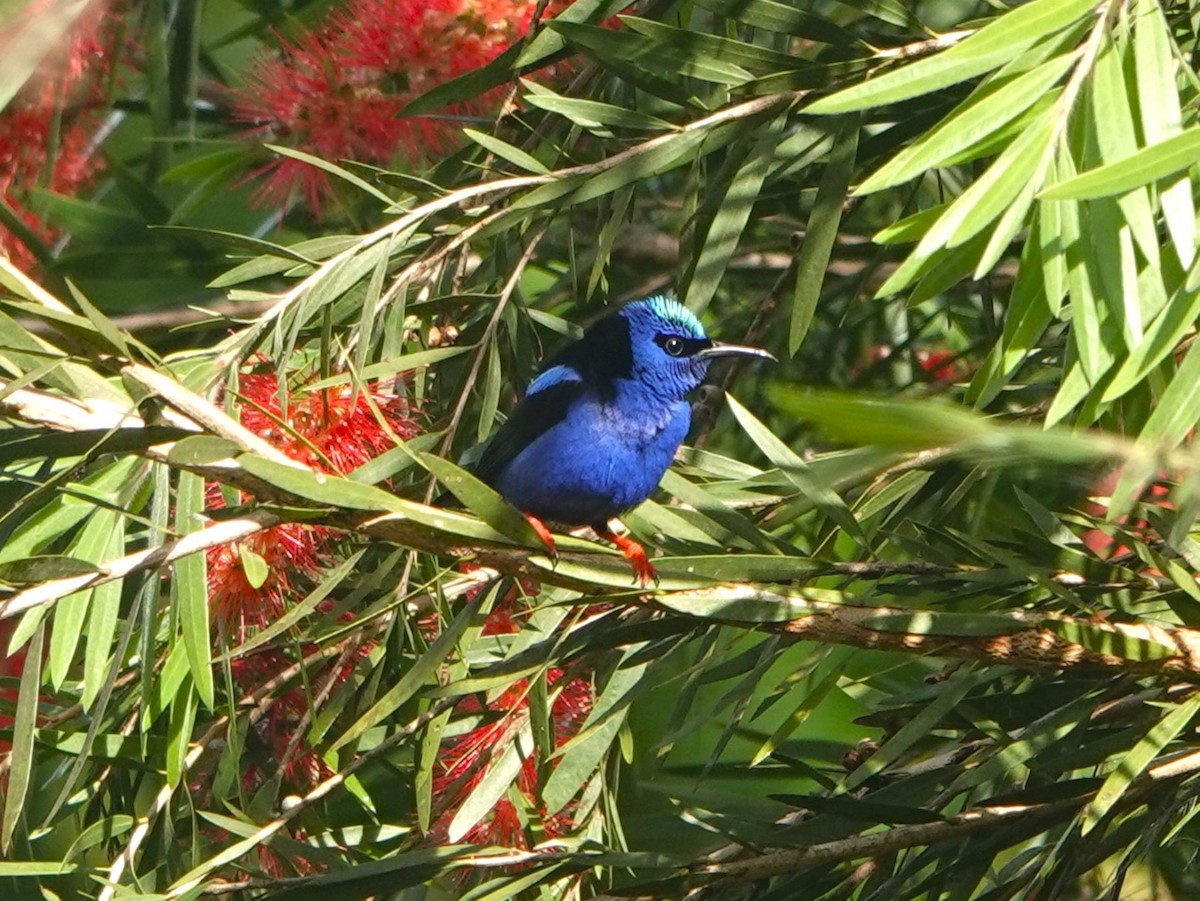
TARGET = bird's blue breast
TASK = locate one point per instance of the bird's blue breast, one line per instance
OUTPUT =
(604, 457)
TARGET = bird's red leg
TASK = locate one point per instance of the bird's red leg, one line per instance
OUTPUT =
(543, 532)
(643, 570)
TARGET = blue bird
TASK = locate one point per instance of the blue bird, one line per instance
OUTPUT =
(601, 422)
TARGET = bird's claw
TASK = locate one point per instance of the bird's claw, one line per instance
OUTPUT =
(643, 570)
(546, 536)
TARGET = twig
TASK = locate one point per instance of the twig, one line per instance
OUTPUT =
(899, 838)
(505, 295)
(1031, 640)
(193, 879)
(46, 594)
(241, 344)
(262, 697)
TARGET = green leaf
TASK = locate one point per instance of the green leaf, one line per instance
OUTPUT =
(863, 811)
(731, 211)
(968, 125)
(189, 588)
(20, 775)
(991, 47)
(31, 38)
(390, 367)
(45, 569)
(255, 568)
(506, 763)
(579, 758)
(323, 489)
(1133, 764)
(201, 450)
(1162, 117)
(592, 114)
(431, 744)
(180, 723)
(797, 471)
(329, 583)
(812, 263)
(755, 59)
(1026, 160)
(1160, 339)
(781, 18)
(422, 670)
(482, 500)
(635, 55)
(333, 169)
(71, 612)
(285, 258)
(103, 614)
(1148, 165)
(1175, 415)
(950, 693)
(913, 425)
(506, 151)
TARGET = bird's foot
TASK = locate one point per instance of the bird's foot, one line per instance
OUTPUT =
(544, 533)
(643, 570)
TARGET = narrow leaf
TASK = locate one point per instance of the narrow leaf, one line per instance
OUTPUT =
(189, 587)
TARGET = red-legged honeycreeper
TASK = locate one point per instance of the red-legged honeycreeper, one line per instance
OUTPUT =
(601, 422)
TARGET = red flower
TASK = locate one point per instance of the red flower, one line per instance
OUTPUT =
(332, 430)
(941, 365)
(335, 93)
(464, 761)
(55, 115)
(292, 553)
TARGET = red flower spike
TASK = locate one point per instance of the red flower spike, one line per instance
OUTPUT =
(463, 762)
(335, 93)
(66, 95)
(332, 430)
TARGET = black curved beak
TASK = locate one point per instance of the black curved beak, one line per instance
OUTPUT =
(734, 350)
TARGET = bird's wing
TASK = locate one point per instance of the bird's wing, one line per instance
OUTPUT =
(544, 406)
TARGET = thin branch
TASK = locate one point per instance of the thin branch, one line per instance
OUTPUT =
(1029, 640)
(262, 699)
(900, 838)
(1019, 638)
(240, 345)
(46, 594)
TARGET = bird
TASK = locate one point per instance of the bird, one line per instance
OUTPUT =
(601, 422)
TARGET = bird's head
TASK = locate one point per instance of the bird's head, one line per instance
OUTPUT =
(669, 351)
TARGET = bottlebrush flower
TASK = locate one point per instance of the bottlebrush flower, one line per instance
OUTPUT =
(464, 761)
(1104, 545)
(335, 93)
(46, 131)
(333, 430)
(941, 365)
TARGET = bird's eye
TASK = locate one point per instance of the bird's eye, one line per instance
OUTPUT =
(674, 346)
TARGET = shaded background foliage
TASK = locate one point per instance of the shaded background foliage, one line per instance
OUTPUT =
(928, 634)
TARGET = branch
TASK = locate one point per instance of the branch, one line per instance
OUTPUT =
(899, 838)
(1014, 638)
(239, 345)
